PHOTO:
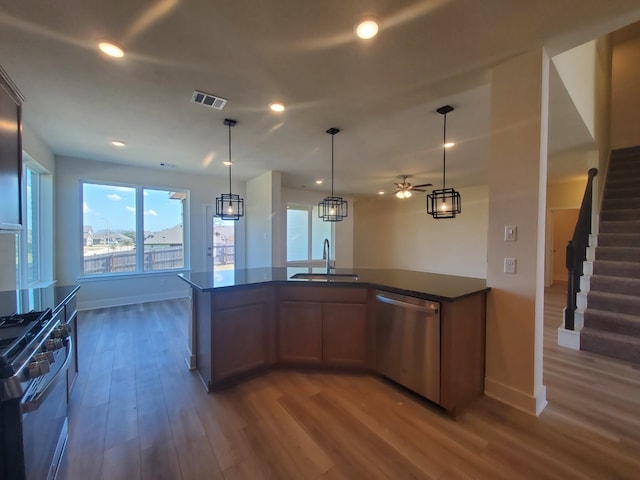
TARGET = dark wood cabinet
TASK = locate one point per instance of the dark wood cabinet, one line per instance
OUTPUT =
(344, 334)
(235, 333)
(300, 333)
(322, 326)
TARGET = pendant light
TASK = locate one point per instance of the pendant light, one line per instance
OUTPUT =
(333, 209)
(229, 206)
(445, 202)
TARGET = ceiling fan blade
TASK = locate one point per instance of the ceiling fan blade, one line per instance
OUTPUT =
(423, 185)
(418, 190)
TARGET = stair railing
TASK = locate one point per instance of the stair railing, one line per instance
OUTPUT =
(577, 252)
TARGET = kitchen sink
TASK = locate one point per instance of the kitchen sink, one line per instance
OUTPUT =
(325, 276)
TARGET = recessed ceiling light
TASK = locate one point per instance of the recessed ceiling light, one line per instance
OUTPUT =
(381, 192)
(277, 107)
(319, 182)
(118, 143)
(226, 163)
(449, 145)
(367, 29)
(111, 49)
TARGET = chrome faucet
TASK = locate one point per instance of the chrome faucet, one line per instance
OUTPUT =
(326, 249)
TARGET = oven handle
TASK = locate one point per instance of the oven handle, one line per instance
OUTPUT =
(34, 404)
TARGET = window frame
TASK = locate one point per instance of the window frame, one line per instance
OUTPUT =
(139, 230)
(36, 232)
(310, 261)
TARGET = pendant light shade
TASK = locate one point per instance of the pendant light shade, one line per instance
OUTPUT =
(333, 209)
(229, 206)
(445, 202)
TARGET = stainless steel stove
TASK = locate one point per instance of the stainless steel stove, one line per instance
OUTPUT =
(35, 351)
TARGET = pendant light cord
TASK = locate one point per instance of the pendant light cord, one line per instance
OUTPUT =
(229, 159)
(444, 152)
(332, 165)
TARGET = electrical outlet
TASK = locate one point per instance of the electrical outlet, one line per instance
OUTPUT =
(510, 233)
(509, 265)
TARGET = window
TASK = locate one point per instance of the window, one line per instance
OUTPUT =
(223, 244)
(305, 236)
(117, 218)
(31, 240)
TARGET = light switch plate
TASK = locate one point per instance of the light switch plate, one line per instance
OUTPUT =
(510, 233)
(509, 265)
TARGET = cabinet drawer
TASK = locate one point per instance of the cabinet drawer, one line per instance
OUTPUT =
(240, 298)
(324, 294)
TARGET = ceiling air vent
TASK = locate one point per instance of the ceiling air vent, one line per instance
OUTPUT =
(208, 100)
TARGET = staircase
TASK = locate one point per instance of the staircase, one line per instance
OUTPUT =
(612, 314)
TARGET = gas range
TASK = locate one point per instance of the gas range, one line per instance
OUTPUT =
(17, 333)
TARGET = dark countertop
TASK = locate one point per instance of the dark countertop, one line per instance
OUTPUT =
(431, 286)
(38, 299)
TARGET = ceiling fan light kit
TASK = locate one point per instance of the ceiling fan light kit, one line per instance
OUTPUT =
(333, 208)
(229, 206)
(444, 202)
(405, 189)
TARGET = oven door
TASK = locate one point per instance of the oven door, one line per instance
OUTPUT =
(44, 418)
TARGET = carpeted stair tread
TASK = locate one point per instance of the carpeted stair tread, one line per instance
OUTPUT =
(616, 269)
(615, 345)
(613, 302)
(620, 226)
(620, 214)
(618, 254)
(619, 240)
(620, 203)
(611, 284)
(621, 323)
(623, 178)
(627, 191)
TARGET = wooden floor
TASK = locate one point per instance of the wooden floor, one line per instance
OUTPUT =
(138, 413)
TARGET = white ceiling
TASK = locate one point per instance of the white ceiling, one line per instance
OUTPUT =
(382, 94)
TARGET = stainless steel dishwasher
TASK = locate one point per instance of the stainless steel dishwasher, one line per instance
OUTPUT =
(408, 342)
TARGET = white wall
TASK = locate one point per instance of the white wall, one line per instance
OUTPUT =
(577, 69)
(263, 220)
(394, 233)
(126, 289)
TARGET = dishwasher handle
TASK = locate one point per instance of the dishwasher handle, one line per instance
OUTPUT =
(429, 308)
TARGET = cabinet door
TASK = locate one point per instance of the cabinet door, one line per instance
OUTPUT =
(239, 337)
(344, 334)
(300, 333)
(72, 370)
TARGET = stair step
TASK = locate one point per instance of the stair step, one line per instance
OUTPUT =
(619, 240)
(623, 175)
(616, 269)
(626, 152)
(618, 254)
(614, 345)
(612, 322)
(620, 226)
(612, 284)
(623, 191)
(613, 302)
(620, 203)
(620, 214)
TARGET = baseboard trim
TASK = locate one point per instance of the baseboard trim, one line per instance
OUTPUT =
(568, 338)
(531, 404)
(120, 301)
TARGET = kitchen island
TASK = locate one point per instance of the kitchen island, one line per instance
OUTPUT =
(245, 321)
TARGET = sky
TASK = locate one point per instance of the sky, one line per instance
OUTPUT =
(114, 208)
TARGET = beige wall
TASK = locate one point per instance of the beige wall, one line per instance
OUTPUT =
(263, 220)
(394, 233)
(517, 184)
(625, 94)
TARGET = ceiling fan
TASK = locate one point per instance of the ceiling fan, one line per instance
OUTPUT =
(404, 188)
